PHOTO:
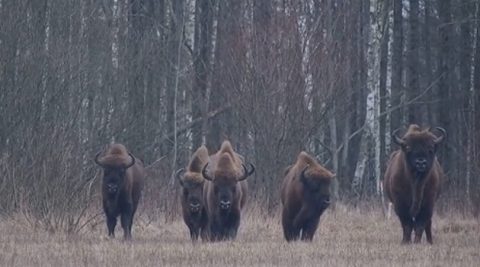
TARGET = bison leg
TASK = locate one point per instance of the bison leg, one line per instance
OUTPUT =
(111, 223)
(309, 229)
(194, 232)
(407, 226)
(289, 231)
(419, 228)
(126, 220)
(428, 231)
(423, 222)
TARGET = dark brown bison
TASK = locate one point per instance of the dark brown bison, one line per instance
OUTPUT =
(305, 195)
(225, 192)
(121, 187)
(412, 180)
(191, 180)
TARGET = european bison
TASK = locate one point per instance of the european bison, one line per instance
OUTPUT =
(305, 195)
(191, 180)
(225, 192)
(412, 180)
(121, 187)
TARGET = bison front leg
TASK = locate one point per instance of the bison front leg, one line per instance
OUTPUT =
(309, 229)
(111, 223)
(194, 232)
(407, 226)
(428, 231)
(289, 231)
(127, 220)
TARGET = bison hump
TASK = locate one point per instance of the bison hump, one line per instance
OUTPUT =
(199, 159)
(116, 155)
(226, 166)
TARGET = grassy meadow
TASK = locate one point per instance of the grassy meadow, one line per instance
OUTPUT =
(346, 237)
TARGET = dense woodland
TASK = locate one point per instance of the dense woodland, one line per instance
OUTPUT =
(334, 78)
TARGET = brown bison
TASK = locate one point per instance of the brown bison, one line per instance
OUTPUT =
(305, 195)
(121, 187)
(412, 180)
(225, 192)
(191, 180)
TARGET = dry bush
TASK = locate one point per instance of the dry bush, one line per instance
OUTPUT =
(50, 187)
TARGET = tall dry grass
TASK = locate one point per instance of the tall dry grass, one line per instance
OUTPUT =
(346, 237)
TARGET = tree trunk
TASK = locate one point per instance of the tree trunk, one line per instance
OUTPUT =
(397, 66)
(413, 62)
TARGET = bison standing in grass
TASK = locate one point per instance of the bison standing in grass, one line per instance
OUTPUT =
(225, 192)
(305, 195)
(121, 187)
(412, 180)
(191, 180)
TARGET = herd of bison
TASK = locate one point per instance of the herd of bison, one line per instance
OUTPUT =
(214, 188)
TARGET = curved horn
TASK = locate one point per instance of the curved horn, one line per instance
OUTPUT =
(179, 172)
(178, 175)
(96, 159)
(439, 139)
(399, 141)
(204, 173)
(131, 163)
(247, 172)
(302, 174)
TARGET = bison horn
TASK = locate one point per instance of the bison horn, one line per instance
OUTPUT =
(178, 176)
(247, 172)
(96, 159)
(179, 172)
(399, 141)
(439, 139)
(132, 162)
(204, 173)
(302, 174)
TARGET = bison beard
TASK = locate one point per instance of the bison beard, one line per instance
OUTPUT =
(412, 180)
(305, 196)
(121, 187)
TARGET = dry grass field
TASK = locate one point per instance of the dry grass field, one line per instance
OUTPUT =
(346, 237)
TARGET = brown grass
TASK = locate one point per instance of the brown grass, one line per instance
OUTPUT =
(346, 237)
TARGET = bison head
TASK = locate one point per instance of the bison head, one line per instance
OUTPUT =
(419, 147)
(316, 186)
(192, 189)
(114, 173)
(225, 185)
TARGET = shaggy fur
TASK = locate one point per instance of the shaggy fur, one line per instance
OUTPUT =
(412, 181)
(193, 209)
(305, 195)
(122, 186)
(225, 192)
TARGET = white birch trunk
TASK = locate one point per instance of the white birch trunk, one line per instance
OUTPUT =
(371, 129)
